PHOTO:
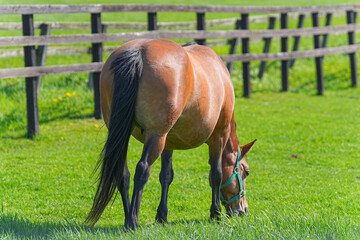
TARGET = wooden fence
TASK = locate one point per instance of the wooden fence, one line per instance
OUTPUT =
(31, 71)
(142, 26)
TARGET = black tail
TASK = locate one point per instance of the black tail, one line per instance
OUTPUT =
(127, 67)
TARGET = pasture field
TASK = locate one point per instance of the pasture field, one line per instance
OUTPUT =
(305, 174)
(304, 181)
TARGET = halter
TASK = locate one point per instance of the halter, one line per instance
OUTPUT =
(235, 174)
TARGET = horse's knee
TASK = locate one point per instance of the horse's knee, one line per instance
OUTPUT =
(215, 175)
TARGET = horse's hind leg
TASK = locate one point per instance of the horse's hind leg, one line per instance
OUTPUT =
(153, 146)
(166, 177)
(123, 188)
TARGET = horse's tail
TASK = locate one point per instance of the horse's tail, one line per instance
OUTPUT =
(127, 67)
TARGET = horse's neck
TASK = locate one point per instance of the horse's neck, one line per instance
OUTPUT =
(231, 146)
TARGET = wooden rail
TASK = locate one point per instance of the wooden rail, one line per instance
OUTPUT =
(161, 25)
(117, 37)
(97, 8)
(94, 67)
(31, 72)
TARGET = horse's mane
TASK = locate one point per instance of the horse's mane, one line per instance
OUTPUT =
(189, 44)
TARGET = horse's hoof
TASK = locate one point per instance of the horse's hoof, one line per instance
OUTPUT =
(161, 220)
(129, 226)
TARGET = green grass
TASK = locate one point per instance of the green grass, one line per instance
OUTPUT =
(305, 175)
(47, 187)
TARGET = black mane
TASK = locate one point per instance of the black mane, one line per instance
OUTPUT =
(189, 44)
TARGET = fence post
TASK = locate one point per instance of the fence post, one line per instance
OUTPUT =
(351, 37)
(97, 49)
(246, 50)
(200, 26)
(267, 41)
(31, 82)
(90, 83)
(234, 45)
(41, 52)
(297, 38)
(152, 21)
(318, 60)
(284, 48)
(325, 36)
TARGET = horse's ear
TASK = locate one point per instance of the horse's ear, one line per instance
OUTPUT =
(246, 148)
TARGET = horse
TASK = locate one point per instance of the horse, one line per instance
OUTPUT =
(168, 97)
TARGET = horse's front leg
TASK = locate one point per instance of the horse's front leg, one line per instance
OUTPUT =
(153, 146)
(166, 177)
(216, 146)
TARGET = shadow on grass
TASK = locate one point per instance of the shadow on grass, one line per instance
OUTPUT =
(14, 226)
(18, 227)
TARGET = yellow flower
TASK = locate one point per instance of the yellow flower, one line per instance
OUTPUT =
(54, 100)
(67, 94)
(95, 125)
(60, 98)
(326, 67)
(73, 94)
(55, 168)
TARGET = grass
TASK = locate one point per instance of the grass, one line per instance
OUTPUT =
(304, 180)
(305, 175)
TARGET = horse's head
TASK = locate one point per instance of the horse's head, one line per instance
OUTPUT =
(235, 170)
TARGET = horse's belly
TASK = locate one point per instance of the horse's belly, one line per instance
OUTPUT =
(185, 136)
(192, 129)
(179, 138)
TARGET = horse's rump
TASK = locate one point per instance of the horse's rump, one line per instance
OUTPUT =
(184, 91)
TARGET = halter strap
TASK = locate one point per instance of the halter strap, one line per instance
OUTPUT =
(235, 174)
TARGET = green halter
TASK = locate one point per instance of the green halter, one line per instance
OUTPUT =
(235, 174)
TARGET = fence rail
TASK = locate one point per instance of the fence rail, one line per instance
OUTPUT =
(97, 37)
(161, 25)
(95, 67)
(101, 37)
(97, 8)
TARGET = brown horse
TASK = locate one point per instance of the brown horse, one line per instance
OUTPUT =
(168, 97)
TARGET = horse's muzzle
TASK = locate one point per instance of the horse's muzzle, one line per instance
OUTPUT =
(238, 212)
